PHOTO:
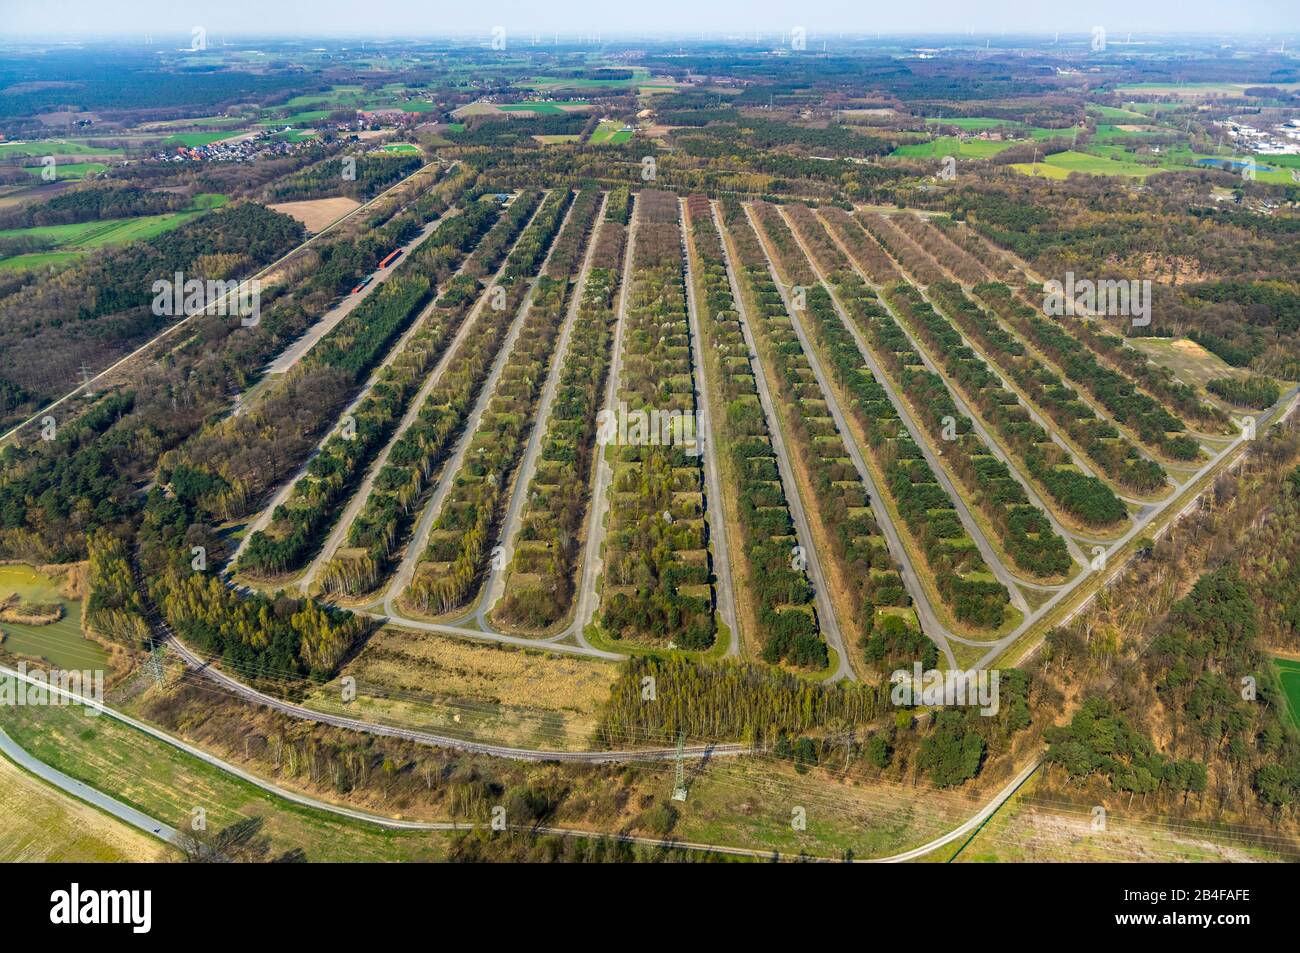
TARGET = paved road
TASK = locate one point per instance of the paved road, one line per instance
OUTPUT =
(496, 584)
(826, 616)
(123, 812)
(709, 459)
(173, 328)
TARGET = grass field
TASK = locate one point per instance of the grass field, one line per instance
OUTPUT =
(52, 148)
(1117, 115)
(1060, 165)
(70, 170)
(115, 231)
(639, 76)
(1288, 671)
(543, 109)
(952, 146)
(1192, 90)
(75, 239)
(168, 784)
(760, 802)
(1030, 830)
(478, 690)
(112, 231)
(610, 132)
(43, 259)
(39, 824)
(192, 140)
(1191, 363)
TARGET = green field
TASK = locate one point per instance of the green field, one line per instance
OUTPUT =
(952, 146)
(73, 239)
(1060, 165)
(639, 75)
(168, 784)
(1288, 673)
(294, 135)
(977, 122)
(70, 170)
(43, 259)
(1117, 115)
(402, 148)
(610, 132)
(539, 108)
(52, 148)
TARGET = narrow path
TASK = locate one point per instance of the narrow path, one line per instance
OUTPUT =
(415, 548)
(587, 600)
(362, 494)
(496, 583)
(83, 792)
(704, 428)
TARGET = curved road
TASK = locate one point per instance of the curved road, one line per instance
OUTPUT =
(93, 796)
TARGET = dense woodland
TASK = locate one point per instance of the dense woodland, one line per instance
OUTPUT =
(96, 311)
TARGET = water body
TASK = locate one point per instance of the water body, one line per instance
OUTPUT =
(61, 644)
(1231, 165)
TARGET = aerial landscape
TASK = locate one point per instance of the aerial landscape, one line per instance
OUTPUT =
(569, 441)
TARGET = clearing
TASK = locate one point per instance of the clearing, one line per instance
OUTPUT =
(317, 214)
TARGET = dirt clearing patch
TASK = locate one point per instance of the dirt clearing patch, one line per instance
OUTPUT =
(316, 214)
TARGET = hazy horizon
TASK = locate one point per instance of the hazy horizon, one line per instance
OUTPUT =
(669, 18)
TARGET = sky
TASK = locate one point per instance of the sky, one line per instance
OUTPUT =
(426, 18)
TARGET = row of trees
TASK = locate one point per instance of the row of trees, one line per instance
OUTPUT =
(841, 501)
(730, 701)
(1254, 391)
(399, 489)
(114, 607)
(658, 577)
(1119, 458)
(357, 177)
(57, 492)
(540, 585)
(100, 308)
(354, 346)
(298, 523)
(1023, 529)
(1100, 440)
(1024, 532)
(92, 204)
(241, 456)
(465, 530)
(1080, 497)
(926, 508)
(786, 619)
